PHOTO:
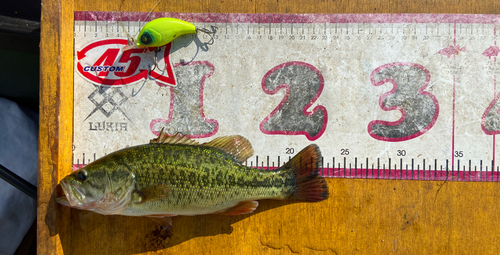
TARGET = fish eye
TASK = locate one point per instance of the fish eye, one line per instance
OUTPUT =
(82, 175)
(146, 38)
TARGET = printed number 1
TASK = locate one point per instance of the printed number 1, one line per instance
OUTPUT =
(186, 96)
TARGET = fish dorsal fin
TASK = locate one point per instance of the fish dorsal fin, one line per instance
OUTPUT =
(236, 145)
(173, 139)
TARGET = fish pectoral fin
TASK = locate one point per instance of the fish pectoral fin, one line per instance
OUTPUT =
(151, 193)
(241, 208)
(163, 220)
(236, 145)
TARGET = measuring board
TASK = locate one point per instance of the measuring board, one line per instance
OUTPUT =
(384, 96)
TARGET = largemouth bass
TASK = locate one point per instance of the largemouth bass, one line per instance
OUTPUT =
(174, 175)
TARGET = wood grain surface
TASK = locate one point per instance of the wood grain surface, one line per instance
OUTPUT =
(361, 216)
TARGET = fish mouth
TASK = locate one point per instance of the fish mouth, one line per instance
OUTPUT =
(72, 197)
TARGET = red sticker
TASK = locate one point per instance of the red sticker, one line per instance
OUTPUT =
(103, 62)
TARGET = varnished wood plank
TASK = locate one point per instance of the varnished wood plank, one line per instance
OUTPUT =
(362, 216)
(56, 103)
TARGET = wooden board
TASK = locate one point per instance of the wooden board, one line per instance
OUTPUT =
(362, 216)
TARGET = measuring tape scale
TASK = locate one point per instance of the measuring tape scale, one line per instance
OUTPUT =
(356, 85)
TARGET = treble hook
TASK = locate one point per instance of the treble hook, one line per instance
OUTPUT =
(208, 32)
(156, 58)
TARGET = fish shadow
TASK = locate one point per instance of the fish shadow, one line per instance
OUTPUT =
(188, 227)
(85, 232)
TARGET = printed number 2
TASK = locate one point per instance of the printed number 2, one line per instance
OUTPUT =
(303, 84)
(419, 108)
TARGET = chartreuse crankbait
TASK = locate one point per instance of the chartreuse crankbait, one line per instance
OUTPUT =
(161, 31)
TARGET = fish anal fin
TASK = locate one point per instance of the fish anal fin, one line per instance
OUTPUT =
(163, 220)
(236, 145)
(152, 193)
(241, 208)
(173, 139)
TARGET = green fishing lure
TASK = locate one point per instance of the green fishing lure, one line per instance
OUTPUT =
(162, 31)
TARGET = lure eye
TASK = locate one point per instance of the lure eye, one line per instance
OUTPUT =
(81, 175)
(146, 38)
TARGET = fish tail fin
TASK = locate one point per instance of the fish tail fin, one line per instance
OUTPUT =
(310, 186)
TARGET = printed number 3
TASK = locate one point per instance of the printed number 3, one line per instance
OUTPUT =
(419, 108)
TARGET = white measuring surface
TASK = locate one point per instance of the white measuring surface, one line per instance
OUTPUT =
(389, 96)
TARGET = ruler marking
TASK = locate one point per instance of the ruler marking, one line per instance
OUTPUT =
(494, 91)
(345, 165)
(412, 170)
(378, 168)
(401, 168)
(470, 170)
(429, 178)
(367, 168)
(333, 167)
(389, 168)
(492, 171)
(355, 167)
(480, 170)
(423, 169)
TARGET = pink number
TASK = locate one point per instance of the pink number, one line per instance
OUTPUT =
(419, 108)
(490, 122)
(186, 103)
(134, 62)
(303, 84)
(108, 57)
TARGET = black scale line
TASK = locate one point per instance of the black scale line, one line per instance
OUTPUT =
(470, 170)
(435, 168)
(355, 167)
(423, 169)
(367, 166)
(480, 169)
(412, 170)
(378, 168)
(389, 169)
(400, 168)
(447, 170)
(344, 166)
(333, 167)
